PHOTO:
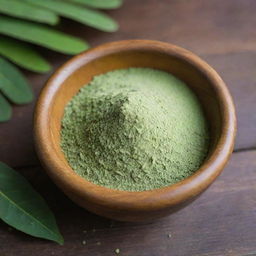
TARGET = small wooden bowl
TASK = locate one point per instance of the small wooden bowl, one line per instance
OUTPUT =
(124, 205)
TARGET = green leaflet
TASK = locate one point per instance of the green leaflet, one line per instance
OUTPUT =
(5, 110)
(101, 4)
(41, 35)
(13, 84)
(23, 208)
(80, 14)
(23, 55)
(23, 10)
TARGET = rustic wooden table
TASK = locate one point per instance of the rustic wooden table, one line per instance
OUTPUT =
(223, 220)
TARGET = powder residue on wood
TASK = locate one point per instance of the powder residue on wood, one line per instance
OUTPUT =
(134, 129)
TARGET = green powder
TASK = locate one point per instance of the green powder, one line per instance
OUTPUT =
(134, 129)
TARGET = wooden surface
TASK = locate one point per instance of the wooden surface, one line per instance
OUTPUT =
(223, 220)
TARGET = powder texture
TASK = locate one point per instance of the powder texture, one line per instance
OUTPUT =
(134, 129)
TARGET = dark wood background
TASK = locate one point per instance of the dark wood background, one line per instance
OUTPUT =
(223, 220)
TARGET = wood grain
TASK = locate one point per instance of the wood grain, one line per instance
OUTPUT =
(221, 222)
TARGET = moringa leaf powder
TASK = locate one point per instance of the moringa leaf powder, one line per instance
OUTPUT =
(134, 129)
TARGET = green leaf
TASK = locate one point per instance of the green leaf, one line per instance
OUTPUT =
(101, 4)
(23, 208)
(80, 14)
(5, 110)
(41, 35)
(13, 84)
(23, 55)
(23, 10)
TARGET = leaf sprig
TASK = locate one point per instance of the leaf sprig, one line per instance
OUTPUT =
(26, 22)
(23, 208)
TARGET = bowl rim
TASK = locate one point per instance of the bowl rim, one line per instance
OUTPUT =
(134, 200)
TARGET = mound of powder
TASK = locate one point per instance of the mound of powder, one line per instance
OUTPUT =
(134, 129)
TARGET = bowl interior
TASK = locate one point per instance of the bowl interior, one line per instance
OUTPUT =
(74, 78)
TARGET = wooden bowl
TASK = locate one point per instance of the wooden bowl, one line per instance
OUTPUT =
(124, 205)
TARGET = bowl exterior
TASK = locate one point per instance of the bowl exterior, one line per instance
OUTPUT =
(125, 205)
